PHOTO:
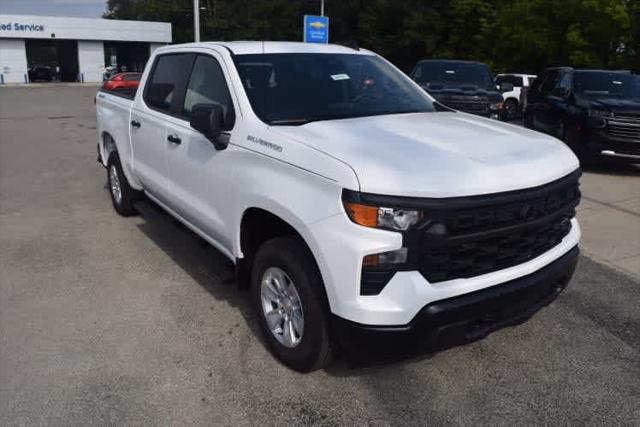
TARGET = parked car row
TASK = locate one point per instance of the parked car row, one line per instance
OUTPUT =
(595, 112)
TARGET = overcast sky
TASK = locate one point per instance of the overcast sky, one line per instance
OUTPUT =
(78, 8)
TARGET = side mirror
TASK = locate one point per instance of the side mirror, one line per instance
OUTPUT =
(208, 119)
(505, 87)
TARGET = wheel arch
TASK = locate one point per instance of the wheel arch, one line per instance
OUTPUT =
(259, 225)
(109, 145)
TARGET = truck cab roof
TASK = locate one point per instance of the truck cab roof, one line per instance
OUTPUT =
(266, 47)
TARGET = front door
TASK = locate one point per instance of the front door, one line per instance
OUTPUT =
(200, 177)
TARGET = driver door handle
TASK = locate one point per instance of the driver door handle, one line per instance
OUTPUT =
(174, 139)
(135, 123)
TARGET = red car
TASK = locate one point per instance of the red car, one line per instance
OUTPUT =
(123, 81)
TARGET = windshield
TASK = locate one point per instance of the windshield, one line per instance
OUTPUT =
(447, 73)
(297, 88)
(599, 83)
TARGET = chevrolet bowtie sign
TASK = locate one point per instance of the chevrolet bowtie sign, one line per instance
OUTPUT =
(316, 29)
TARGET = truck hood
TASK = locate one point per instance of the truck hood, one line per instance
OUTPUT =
(610, 104)
(441, 154)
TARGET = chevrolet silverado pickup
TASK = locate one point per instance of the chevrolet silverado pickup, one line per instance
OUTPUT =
(352, 203)
(463, 85)
(595, 112)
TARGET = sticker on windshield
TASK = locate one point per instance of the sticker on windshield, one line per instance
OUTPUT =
(616, 82)
(340, 77)
(450, 72)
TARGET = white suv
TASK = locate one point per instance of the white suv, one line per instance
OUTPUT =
(514, 99)
(351, 202)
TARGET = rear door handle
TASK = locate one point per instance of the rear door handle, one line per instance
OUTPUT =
(174, 139)
(135, 123)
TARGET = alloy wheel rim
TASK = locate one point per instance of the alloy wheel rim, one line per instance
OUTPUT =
(114, 181)
(282, 307)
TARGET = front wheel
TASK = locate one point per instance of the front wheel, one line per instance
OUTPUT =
(288, 297)
(527, 121)
(572, 139)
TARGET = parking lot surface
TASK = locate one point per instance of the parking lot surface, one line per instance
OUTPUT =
(107, 320)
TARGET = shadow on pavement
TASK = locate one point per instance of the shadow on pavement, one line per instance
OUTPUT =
(202, 262)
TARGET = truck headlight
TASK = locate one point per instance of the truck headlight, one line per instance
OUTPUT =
(496, 105)
(599, 113)
(382, 217)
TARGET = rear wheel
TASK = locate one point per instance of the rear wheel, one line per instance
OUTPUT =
(122, 194)
(510, 109)
(288, 297)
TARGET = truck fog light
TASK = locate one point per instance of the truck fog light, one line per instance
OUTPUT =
(386, 258)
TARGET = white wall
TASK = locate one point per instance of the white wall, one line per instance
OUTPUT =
(49, 27)
(13, 60)
(91, 60)
(154, 46)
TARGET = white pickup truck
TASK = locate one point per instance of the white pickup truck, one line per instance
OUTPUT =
(354, 206)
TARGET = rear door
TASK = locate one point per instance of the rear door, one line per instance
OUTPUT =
(200, 177)
(160, 100)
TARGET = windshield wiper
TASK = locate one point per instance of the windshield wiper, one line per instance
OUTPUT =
(305, 120)
(293, 122)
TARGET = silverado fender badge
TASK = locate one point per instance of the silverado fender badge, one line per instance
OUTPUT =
(264, 143)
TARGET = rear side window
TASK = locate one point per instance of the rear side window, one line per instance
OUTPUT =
(208, 85)
(168, 80)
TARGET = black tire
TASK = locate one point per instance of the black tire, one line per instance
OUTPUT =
(510, 109)
(527, 121)
(572, 139)
(124, 204)
(290, 255)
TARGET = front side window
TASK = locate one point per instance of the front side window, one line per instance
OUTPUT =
(168, 78)
(207, 85)
(297, 88)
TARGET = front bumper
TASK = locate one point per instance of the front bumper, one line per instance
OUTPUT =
(602, 143)
(461, 319)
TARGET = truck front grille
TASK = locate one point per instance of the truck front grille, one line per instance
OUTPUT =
(466, 104)
(495, 232)
(625, 126)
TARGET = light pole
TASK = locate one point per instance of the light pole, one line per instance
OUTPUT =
(196, 20)
(321, 7)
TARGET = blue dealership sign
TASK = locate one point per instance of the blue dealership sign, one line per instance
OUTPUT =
(316, 29)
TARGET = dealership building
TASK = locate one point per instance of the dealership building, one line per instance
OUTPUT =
(74, 49)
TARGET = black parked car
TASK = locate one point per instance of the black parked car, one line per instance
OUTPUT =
(596, 112)
(462, 85)
(40, 74)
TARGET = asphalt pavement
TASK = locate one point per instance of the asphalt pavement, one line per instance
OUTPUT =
(107, 320)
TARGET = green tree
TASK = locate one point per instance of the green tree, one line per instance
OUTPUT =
(515, 35)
